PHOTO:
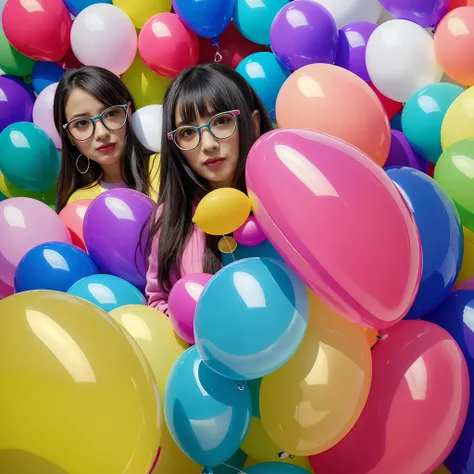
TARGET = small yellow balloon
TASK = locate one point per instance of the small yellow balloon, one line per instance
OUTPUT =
(140, 11)
(222, 211)
(313, 401)
(458, 123)
(299, 461)
(77, 394)
(467, 266)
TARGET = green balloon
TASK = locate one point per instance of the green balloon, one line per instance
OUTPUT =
(9, 190)
(28, 157)
(454, 172)
(12, 61)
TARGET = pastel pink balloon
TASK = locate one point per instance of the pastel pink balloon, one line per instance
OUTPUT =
(43, 113)
(24, 224)
(5, 290)
(182, 302)
(466, 285)
(339, 221)
(250, 234)
(416, 408)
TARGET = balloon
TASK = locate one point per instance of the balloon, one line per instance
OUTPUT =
(195, 392)
(48, 197)
(16, 104)
(168, 55)
(371, 336)
(254, 19)
(69, 61)
(53, 266)
(460, 3)
(44, 74)
(276, 468)
(233, 464)
(40, 31)
(312, 39)
(11, 60)
(458, 122)
(250, 233)
(91, 381)
(2, 197)
(400, 59)
(466, 285)
(396, 122)
(423, 116)
(416, 407)
(332, 370)
(207, 18)
(222, 211)
(24, 224)
(147, 124)
(115, 233)
(29, 158)
(356, 214)
(251, 318)
(467, 267)
(331, 100)
(108, 26)
(441, 470)
(402, 154)
(298, 461)
(5, 290)
(72, 217)
(442, 240)
(390, 106)
(182, 302)
(352, 45)
(43, 113)
(427, 13)
(265, 249)
(76, 6)
(107, 291)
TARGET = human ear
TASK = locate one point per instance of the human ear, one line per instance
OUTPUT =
(256, 122)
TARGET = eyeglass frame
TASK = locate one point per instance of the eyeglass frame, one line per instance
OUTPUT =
(171, 135)
(93, 120)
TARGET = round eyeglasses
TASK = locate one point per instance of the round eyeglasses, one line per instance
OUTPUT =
(223, 125)
(82, 128)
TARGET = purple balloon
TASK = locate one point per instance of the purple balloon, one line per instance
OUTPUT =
(402, 154)
(16, 104)
(113, 233)
(353, 40)
(302, 33)
(424, 12)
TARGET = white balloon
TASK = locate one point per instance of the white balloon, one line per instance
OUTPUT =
(147, 123)
(103, 35)
(348, 11)
(401, 59)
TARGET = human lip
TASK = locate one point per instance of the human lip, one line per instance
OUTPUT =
(214, 162)
(106, 147)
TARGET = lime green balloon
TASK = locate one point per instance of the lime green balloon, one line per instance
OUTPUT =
(454, 172)
(12, 61)
(9, 190)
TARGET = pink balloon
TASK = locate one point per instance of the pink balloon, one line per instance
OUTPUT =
(43, 113)
(466, 285)
(416, 408)
(182, 302)
(339, 221)
(5, 290)
(24, 224)
(250, 234)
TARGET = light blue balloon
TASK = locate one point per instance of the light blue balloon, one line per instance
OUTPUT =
(266, 75)
(265, 249)
(254, 19)
(423, 116)
(207, 415)
(76, 6)
(107, 291)
(275, 468)
(251, 318)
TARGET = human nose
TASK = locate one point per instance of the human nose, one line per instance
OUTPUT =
(101, 131)
(209, 142)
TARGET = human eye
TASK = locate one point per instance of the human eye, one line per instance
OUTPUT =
(186, 132)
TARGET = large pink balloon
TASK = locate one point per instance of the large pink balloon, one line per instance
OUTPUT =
(339, 221)
(24, 224)
(416, 408)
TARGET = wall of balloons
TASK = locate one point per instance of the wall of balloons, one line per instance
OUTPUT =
(337, 338)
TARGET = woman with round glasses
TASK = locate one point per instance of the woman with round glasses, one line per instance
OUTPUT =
(211, 118)
(92, 110)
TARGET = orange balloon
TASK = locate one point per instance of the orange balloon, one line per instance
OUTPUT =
(460, 3)
(72, 216)
(329, 99)
(453, 42)
(371, 335)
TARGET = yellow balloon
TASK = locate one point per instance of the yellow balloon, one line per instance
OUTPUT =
(458, 123)
(77, 394)
(146, 86)
(222, 211)
(10, 190)
(257, 443)
(140, 11)
(467, 267)
(299, 461)
(310, 404)
(442, 470)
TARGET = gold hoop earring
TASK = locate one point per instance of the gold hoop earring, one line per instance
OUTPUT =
(77, 164)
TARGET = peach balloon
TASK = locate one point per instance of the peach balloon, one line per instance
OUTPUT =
(453, 42)
(329, 99)
(460, 3)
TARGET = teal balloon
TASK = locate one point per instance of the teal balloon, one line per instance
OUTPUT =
(265, 249)
(254, 386)
(207, 415)
(28, 157)
(254, 19)
(275, 468)
(2, 197)
(232, 465)
(423, 116)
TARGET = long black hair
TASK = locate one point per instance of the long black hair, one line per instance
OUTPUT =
(107, 88)
(198, 91)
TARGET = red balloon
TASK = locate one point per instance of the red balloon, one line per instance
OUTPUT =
(416, 408)
(391, 106)
(167, 46)
(72, 216)
(69, 61)
(40, 29)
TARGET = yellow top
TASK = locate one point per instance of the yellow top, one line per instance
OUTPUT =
(99, 188)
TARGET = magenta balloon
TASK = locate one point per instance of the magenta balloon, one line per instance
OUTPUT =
(339, 221)
(402, 154)
(5, 290)
(250, 233)
(424, 12)
(116, 231)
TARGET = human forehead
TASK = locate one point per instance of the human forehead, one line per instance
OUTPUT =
(81, 103)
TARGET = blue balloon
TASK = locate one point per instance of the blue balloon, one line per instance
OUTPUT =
(208, 415)
(207, 18)
(396, 122)
(44, 74)
(265, 249)
(76, 6)
(275, 468)
(107, 291)
(456, 315)
(442, 240)
(266, 75)
(251, 318)
(53, 266)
